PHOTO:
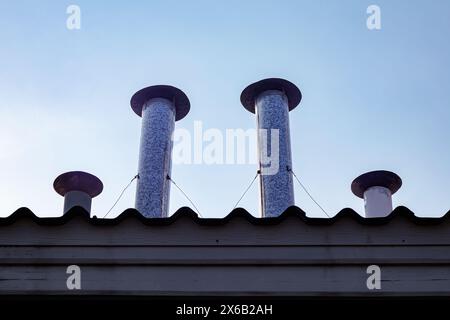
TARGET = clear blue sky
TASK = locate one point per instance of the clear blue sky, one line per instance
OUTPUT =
(371, 99)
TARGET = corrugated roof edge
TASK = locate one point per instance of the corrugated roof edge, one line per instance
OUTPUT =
(186, 212)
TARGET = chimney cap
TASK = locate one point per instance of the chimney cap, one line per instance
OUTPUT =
(379, 178)
(250, 93)
(78, 181)
(181, 101)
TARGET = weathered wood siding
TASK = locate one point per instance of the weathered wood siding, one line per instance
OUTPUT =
(289, 257)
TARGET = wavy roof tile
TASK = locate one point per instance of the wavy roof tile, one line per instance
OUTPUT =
(186, 212)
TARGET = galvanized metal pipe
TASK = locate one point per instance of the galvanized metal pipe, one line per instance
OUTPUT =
(77, 198)
(153, 187)
(160, 107)
(376, 188)
(276, 183)
(271, 100)
(78, 188)
(377, 202)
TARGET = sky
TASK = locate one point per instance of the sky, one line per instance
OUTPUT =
(372, 99)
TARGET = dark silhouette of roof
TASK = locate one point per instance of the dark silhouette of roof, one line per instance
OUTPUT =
(185, 212)
(183, 254)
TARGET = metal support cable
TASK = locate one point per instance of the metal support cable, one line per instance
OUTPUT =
(246, 190)
(309, 194)
(121, 194)
(185, 195)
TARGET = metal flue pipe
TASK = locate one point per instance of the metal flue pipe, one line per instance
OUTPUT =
(271, 100)
(78, 188)
(377, 188)
(159, 106)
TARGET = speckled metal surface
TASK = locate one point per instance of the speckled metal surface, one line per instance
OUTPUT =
(277, 190)
(153, 187)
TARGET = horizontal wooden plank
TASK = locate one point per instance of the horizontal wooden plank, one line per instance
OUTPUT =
(345, 280)
(275, 255)
(236, 232)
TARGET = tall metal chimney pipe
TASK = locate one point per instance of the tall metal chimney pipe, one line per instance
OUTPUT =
(377, 188)
(271, 100)
(159, 106)
(78, 188)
